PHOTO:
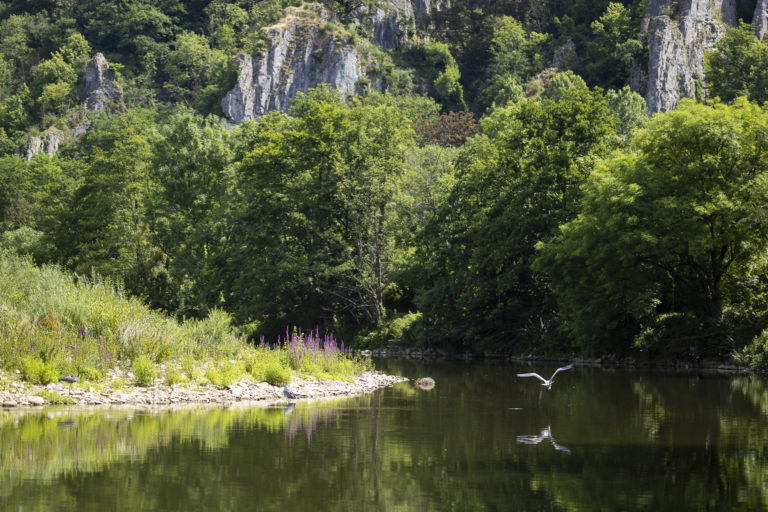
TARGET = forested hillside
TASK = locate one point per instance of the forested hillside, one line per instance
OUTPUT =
(478, 175)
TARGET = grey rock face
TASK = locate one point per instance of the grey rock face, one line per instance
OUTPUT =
(422, 8)
(760, 18)
(564, 55)
(388, 32)
(394, 18)
(47, 142)
(678, 35)
(392, 21)
(299, 55)
(98, 91)
(99, 88)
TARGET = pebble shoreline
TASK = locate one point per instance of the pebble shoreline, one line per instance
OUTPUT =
(15, 393)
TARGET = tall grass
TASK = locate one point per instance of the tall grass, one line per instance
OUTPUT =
(53, 323)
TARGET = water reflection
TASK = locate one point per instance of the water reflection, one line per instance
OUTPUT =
(45, 444)
(634, 440)
(546, 434)
(307, 418)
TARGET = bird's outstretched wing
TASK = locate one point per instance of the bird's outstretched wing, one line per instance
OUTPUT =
(542, 379)
(561, 370)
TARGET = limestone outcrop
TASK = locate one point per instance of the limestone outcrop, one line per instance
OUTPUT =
(679, 32)
(47, 142)
(390, 26)
(99, 92)
(760, 18)
(300, 53)
(100, 89)
(394, 19)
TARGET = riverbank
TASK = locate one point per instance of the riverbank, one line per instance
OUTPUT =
(14, 392)
(608, 361)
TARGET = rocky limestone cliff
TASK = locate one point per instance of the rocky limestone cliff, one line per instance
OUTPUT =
(47, 142)
(299, 54)
(760, 18)
(394, 19)
(391, 24)
(679, 32)
(99, 91)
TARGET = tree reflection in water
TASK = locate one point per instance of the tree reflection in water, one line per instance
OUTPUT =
(635, 440)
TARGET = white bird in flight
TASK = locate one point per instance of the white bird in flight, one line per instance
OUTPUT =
(546, 382)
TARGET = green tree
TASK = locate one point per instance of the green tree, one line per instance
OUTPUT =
(225, 21)
(14, 205)
(132, 27)
(310, 238)
(434, 62)
(285, 242)
(630, 109)
(191, 65)
(738, 66)
(561, 83)
(376, 166)
(668, 234)
(515, 186)
(191, 172)
(614, 44)
(105, 228)
(515, 51)
(516, 56)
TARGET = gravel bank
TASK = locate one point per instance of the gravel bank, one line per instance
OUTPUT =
(15, 393)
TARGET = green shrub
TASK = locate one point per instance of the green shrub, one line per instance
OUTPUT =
(276, 374)
(35, 371)
(213, 375)
(89, 374)
(211, 335)
(755, 354)
(55, 398)
(225, 374)
(144, 370)
(173, 376)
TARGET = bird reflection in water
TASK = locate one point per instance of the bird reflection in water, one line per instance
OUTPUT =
(546, 433)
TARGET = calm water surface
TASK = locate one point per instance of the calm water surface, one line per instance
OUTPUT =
(481, 440)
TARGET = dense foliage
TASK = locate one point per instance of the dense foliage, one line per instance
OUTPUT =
(55, 324)
(485, 201)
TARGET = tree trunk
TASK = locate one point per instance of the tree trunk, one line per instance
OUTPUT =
(377, 269)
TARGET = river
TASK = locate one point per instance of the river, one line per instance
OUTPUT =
(482, 439)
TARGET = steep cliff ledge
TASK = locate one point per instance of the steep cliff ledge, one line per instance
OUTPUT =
(100, 88)
(394, 19)
(301, 52)
(760, 18)
(679, 33)
(99, 91)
